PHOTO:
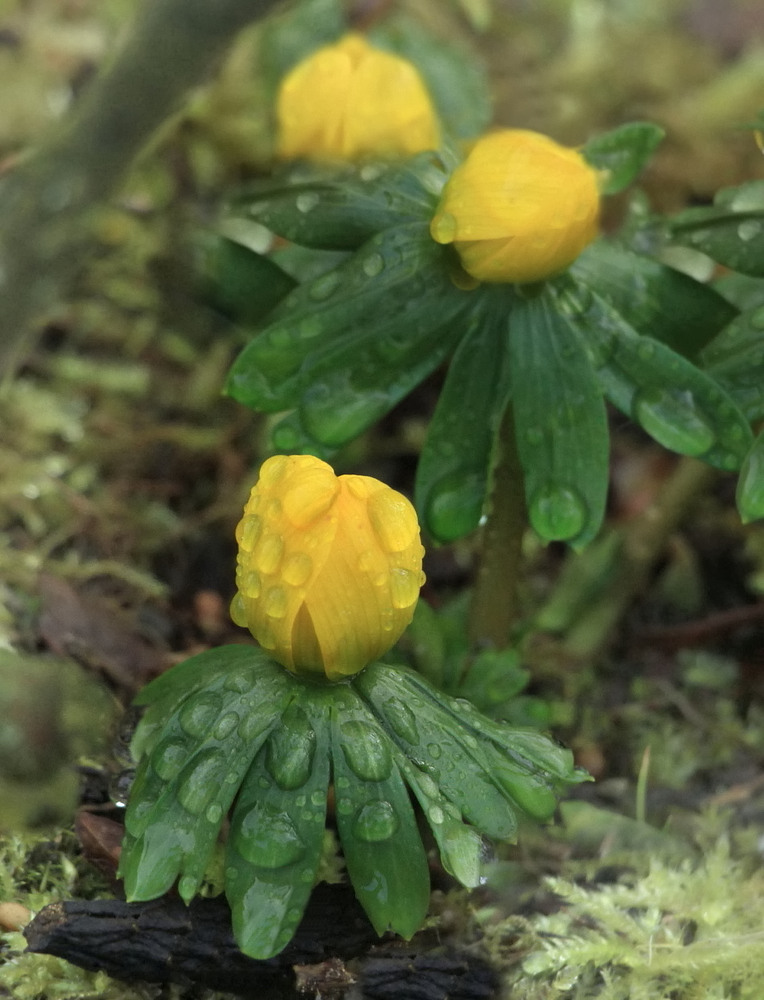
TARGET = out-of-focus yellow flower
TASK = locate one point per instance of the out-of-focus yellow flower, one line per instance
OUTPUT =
(329, 568)
(350, 100)
(520, 208)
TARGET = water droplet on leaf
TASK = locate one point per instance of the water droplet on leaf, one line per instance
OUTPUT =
(201, 784)
(375, 821)
(671, 416)
(558, 512)
(267, 837)
(749, 230)
(306, 201)
(402, 720)
(366, 751)
(200, 712)
(290, 751)
(373, 265)
(168, 758)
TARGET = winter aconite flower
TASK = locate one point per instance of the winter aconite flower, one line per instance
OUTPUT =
(519, 209)
(351, 100)
(329, 568)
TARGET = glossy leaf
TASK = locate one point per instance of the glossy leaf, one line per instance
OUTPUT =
(380, 839)
(186, 782)
(495, 774)
(340, 209)
(750, 488)
(731, 231)
(346, 348)
(454, 467)
(242, 284)
(560, 423)
(736, 360)
(654, 299)
(680, 406)
(622, 153)
(274, 844)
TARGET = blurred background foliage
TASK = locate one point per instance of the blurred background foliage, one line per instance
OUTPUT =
(124, 470)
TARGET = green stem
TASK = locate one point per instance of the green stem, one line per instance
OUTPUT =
(45, 202)
(495, 597)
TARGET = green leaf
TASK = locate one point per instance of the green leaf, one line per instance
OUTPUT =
(454, 467)
(380, 839)
(623, 153)
(560, 423)
(341, 208)
(735, 359)
(242, 284)
(277, 827)
(750, 487)
(455, 77)
(187, 780)
(494, 773)
(347, 347)
(730, 232)
(655, 299)
(678, 405)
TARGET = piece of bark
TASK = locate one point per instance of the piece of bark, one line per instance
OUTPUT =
(165, 941)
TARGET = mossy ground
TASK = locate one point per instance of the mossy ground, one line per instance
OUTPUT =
(125, 472)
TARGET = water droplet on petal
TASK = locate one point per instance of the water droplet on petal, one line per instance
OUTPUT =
(557, 512)
(375, 821)
(671, 416)
(393, 520)
(267, 837)
(275, 602)
(267, 554)
(297, 569)
(248, 531)
(443, 228)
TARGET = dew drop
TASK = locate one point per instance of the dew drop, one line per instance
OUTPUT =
(404, 587)
(671, 416)
(645, 350)
(434, 750)
(275, 602)
(427, 786)
(749, 230)
(443, 228)
(267, 554)
(248, 531)
(455, 505)
(267, 837)
(297, 569)
(290, 750)
(435, 815)
(168, 758)
(402, 720)
(200, 712)
(225, 725)
(252, 726)
(201, 784)
(306, 201)
(279, 337)
(366, 751)
(375, 821)
(214, 813)
(373, 265)
(557, 512)
(393, 520)
(309, 328)
(323, 287)
(239, 681)
(343, 806)
(250, 585)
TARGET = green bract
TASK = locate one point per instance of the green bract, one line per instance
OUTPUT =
(360, 331)
(230, 731)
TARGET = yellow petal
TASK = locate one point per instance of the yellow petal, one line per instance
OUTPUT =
(520, 208)
(351, 100)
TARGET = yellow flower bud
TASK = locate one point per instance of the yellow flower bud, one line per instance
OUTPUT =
(329, 567)
(520, 208)
(350, 100)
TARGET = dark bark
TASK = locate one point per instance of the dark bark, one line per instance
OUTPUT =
(164, 941)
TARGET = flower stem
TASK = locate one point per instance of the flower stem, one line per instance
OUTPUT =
(495, 596)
